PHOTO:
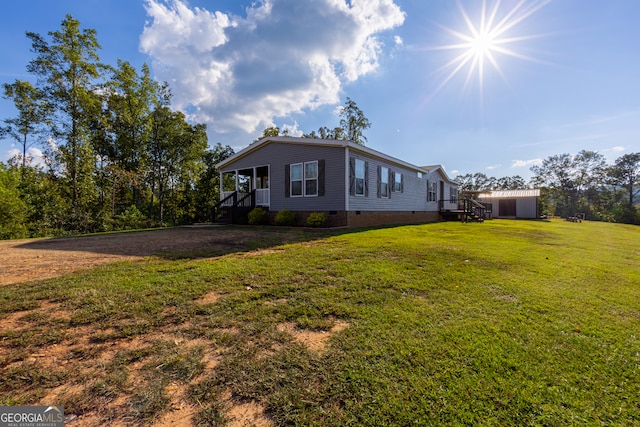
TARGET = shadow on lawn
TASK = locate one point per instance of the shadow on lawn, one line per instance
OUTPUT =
(182, 242)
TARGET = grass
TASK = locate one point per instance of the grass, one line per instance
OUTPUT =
(501, 323)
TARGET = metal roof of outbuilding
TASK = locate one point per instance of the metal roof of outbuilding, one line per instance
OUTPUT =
(510, 194)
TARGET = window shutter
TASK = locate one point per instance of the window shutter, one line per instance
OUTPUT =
(401, 183)
(392, 181)
(320, 178)
(379, 181)
(366, 179)
(352, 176)
(287, 180)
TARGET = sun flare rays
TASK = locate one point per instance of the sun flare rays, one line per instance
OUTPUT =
(479, 45)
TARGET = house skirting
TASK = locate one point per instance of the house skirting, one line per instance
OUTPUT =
(375, 218)
(364, 218)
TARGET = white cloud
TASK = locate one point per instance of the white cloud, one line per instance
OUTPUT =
(525, 163)
(292, 130)
(492, 167)
(35, 156)
(617, 149)
(283, 57)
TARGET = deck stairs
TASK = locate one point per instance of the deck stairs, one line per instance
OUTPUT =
(234, 208)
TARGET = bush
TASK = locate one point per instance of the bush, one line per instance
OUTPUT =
(285, 217)
(258, 216)
(316, 219)
(130, 219)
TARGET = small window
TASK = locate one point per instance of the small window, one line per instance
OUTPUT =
(384, 182)
(296, 180)
(453, 195)
(419, 175)
(397, 182)
(432, 191)
(360, 172)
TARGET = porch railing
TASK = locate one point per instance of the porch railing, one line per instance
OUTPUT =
(233, 206)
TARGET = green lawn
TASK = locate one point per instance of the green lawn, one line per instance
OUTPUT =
(500, 323)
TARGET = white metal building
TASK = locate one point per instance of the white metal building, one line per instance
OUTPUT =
(513, 203)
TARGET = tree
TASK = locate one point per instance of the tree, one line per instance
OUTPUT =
(354, 122)
(208, 183)
(12, 208)
(33, 111)
(68, 68)
(555, 173)
(130, 97)
(626, 173)
(515, 182)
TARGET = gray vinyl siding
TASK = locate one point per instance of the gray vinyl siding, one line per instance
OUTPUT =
(412, 198)
(437, 178)
(277, 155)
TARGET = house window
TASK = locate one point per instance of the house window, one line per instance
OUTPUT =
(432, 191)
(296, 180)
(360, 172)
(397, 182)
(311, 179)
(384, 182)
(453, 195)
(304, 179)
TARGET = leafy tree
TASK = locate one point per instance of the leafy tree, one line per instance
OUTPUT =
(572, 181)
(12, 208)
(354, 122)
(130, 97)
(626, 173)
(68, 68)
(33, 111)
(208, 183)
(515, 182)
(175, 150)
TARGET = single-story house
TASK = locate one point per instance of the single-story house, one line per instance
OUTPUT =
(521, 204)
(352, 184)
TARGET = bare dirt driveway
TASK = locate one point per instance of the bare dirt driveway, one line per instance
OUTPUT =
(34, 259)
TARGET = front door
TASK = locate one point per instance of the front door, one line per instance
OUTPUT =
(262, 186)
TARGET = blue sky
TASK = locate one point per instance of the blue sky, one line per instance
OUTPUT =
(563, 75)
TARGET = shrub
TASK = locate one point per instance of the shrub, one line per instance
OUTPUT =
(285, 217)
(317, 219)
(130, 219)
(258, 216)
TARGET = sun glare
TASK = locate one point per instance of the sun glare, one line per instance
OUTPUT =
(483, 40)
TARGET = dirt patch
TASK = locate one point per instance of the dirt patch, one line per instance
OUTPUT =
(314, 340)
(35, 259)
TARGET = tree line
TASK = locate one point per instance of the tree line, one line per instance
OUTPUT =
(580, 183)
(115, 154)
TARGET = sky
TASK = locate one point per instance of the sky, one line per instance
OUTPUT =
(476, 86)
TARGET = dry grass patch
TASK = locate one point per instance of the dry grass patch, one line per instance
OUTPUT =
(313, 340)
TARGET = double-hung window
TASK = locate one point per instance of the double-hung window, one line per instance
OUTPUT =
(304, 179)
(397, 182)
(360, 173)
(311, 178)
(453, 195)
(432, 189)
(384, 182)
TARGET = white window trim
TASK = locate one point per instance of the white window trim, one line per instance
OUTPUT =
(384, 179)
(364, 190)
(304, 179)
(291, 180)
(397, 182)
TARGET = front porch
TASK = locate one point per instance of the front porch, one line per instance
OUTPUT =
(240, 191)
(243, 182)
